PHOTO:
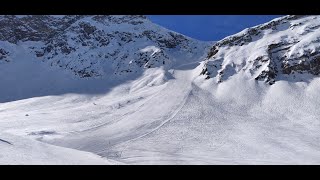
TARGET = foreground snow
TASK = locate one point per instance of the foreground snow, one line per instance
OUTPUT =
(186, 120)
(19, 150)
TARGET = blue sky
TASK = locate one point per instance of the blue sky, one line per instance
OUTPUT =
(209, 27)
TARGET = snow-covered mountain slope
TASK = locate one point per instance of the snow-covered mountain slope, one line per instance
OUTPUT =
(166, 114)
(93, 46)
(286, 48)
(95, 68)
(51, 55)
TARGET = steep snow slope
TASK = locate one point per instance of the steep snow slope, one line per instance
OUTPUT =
(235, 122)
(286, 48)
(171, 114)
(93, 46)
(110, 49)
(240, 120)
(46, 98)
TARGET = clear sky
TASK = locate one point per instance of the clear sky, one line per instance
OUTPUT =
(209, 27)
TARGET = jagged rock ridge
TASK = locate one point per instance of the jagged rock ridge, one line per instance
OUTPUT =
(287, 48)
(94, 46)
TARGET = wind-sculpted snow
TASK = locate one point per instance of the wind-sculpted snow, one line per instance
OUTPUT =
(151, 106)
(286, 48)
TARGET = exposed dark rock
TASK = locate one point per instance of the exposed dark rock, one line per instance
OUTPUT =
(277, 61)
(4, 55)
(83, 44)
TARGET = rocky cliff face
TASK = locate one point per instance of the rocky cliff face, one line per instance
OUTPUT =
(286, 48)
(94, 46)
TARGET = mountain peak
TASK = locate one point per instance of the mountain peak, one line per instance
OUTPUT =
(95, 45)
(285, 48)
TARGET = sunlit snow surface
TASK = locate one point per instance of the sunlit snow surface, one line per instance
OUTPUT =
(163, 116)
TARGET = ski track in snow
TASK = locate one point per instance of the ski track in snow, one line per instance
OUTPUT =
(160, 116)
(236, 140)
(173, 114)
(153, 118)
(197, 128)
(7, 142)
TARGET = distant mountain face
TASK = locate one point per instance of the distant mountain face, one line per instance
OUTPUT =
(94, 46)
(287, 48)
